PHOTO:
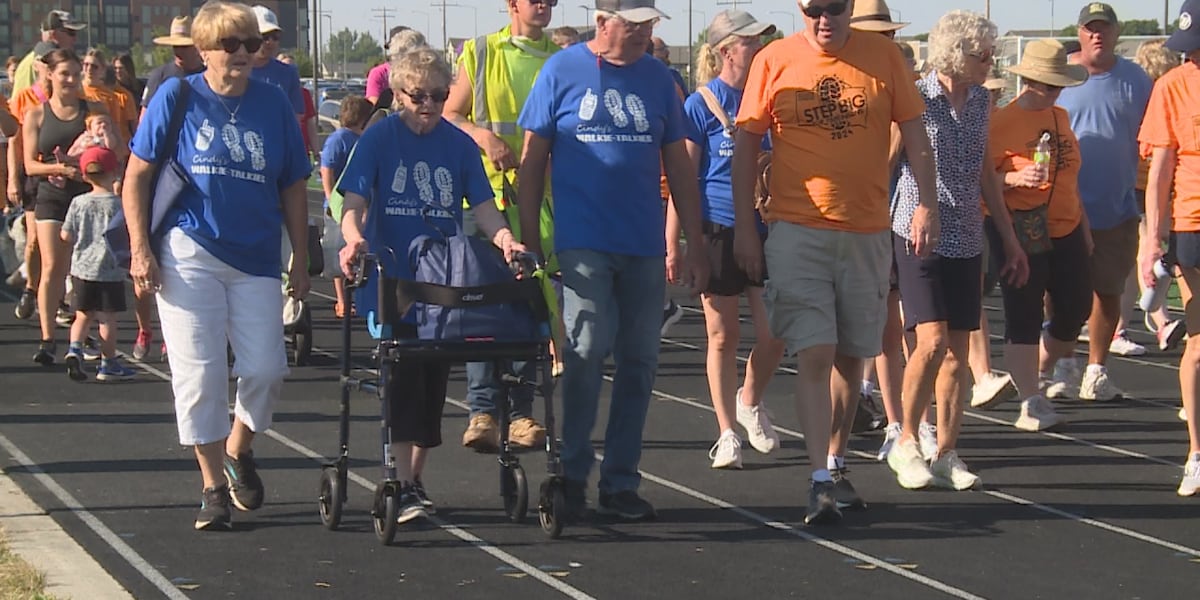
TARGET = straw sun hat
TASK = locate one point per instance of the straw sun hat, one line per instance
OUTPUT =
(1045, 61)
(179, 34)
(873, 15)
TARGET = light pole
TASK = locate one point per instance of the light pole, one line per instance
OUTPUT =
(587, 16)
(791, 16)
(1051, 18)
(328, 44)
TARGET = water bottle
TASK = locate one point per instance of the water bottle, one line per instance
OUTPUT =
(1153, 297)
(1041, 156)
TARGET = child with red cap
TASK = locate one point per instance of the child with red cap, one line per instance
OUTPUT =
(98, 281)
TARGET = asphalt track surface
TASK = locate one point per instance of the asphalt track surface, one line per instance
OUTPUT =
(1087, 512)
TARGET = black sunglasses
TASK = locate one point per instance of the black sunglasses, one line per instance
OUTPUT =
(230, 44)
(550, 3)
(421, 97)
(274, 36)
(833, 10)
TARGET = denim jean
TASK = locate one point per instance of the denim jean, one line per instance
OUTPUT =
(612, 304)
(484, 392)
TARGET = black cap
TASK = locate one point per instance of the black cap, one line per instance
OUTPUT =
(1097, 11)
(61, 19)
(1186, 38)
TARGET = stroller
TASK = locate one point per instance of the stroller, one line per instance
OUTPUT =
(395, 296)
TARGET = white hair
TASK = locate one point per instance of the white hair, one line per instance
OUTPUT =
(404, 42)
(955, 35)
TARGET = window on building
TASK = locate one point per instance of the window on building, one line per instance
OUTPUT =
(116, 36)
(117, 15)
(26, 12)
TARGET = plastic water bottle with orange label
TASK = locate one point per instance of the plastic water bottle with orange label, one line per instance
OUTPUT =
(1041, 157)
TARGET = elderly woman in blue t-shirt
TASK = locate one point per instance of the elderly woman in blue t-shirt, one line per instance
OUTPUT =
(409, 174)
(216, 262)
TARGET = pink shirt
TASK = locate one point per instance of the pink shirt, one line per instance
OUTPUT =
(377, 80)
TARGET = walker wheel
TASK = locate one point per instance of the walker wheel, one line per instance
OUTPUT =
(515, 490)
(551, 512)
(386, 512)
(331, 500)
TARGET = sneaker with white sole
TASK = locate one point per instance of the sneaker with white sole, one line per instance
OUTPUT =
(755, 420)
(1096, 385)
(1169, 335)
(891, 434)
(1190, 483)
(1183, 414)
(906, 461)
(927, 435)
(1064, 383)
(727, 452)
(1037, 414)
(1121, 345)
(993, 388)
(843, 491)
(950, 472)
(672, 313)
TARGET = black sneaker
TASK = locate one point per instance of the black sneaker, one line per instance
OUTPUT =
(671, 315)
(843, 491)
(868, 416)
(74, 362)
(575, 494)
(26, 304)
(245, 487)
(214, 510)
(822, 507)
(45, 354)
(626, 505)
(65, 317)
(423, 496)
(411, 506)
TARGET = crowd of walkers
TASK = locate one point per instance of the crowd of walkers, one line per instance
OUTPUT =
(863, 208)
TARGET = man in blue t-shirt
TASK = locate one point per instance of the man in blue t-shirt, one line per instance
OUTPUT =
(268, 68)
(1106, 113)
(604, 114)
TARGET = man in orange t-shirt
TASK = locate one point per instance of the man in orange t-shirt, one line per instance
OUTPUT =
(828, 96)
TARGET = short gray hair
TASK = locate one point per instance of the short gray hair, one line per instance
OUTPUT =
(955, 35)
(404, 42)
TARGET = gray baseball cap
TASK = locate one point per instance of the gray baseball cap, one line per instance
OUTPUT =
(634, 11)
(736, 22)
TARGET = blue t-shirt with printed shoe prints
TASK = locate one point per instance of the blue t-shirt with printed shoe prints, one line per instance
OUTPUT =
(716, 162)
(233, 207)
(414, 185)
(607, 125)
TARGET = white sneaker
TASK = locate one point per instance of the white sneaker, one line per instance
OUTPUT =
(1037, 414)
(1083, 336)
(905, 460)
(891, 433)
(1065, 381)
(1121, 345)
(1169, 335)
(927, 434)
(727, 452)
(1191, 476)
(993, 388)
(757, 423)
(1096, 385)
(1182, 414)
(950, 472)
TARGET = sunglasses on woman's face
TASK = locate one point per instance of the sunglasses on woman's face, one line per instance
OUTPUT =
(419, 97)
(833, 10)
(231, 44)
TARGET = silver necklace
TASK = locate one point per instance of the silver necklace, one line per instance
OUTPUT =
(232, 113)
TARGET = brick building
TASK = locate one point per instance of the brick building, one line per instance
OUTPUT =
(118, 24)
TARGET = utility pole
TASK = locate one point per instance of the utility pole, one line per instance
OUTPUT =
(987, 9)
(1166, 16)
(384, 13)
(445, 40)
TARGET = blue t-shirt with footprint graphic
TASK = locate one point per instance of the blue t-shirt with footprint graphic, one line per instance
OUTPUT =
(240, 153)
(607, 125)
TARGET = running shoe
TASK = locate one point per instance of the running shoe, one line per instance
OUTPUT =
(627, 505)
(672, 313)
(114, 370)
(1169, 335)
(1064, 383)
(411, 506)
(141, 345)
(91, 349)
(1191, 476)
(843, 491)
(867, 416)
(1096, 385)
(1083, 336)
(993, 388)
(1037, 414)
(927, 435)
(74, 361)
(891, 434)
(16, 279)
(1182, 414)
(757, 423)
(45, 353)
(1121, 345)
(822, 504)
(26, 304)
(423, 496)
(575, 496)
(950, 472)
(906, 461)
(726, 453)
(245, 486)
(214, 510)
(64, 316)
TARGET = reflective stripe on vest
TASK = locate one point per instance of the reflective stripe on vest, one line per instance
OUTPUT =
(480, 109)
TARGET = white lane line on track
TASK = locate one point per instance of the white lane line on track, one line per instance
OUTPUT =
(456, 531)
(118, 545)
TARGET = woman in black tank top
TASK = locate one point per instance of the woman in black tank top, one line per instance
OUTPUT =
(54, 126)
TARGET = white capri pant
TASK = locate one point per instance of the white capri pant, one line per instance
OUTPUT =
(203, 304)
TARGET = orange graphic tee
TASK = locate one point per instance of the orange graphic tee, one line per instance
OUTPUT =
(1013, 137)
(830, 117)
(1173, 121)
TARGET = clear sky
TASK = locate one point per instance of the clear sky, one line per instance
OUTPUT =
(467, 18)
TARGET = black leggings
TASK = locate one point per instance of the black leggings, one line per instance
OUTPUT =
(1064, 273)
(416, 391)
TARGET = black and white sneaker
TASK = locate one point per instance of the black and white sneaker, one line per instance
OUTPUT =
(245, 486)
(822, 504)
(672, 313)
(411, 506)
(26, 305)
(215, 513)
(843, 491)
(423, 496)
(45, 354)
(626, 505)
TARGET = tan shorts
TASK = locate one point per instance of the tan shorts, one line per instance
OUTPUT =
(1114, 257)
(828, 288)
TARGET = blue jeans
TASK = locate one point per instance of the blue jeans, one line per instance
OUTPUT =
(612, 304)
(484, 391)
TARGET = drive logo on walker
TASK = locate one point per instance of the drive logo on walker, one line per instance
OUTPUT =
(242, 149)
(622, 112)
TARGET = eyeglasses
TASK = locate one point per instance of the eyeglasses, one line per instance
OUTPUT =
(631, 25)
(983, 57)
(550, 3)
(833, 10)
(420, 97)
(231, 44)
(274, 36)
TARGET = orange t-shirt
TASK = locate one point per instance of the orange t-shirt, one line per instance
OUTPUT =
(119, 104)
(25, 99)
(1013, 137)
(1173, 121)
(830, 117)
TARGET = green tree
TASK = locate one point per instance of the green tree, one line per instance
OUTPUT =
(304, 63)
(352, 47)
(1069, 31)
(1141, 27)
(921, 37)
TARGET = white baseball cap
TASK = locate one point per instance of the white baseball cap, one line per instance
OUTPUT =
(267, 21)
(634, 11)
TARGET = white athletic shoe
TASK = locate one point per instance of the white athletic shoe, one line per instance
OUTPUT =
(1182, 414)
(1037, 414)
(1096, 385)
(905, 460)
(757, 423)
(927, 434)
(1190, 483)
(1169, 335)
(993, 388)
(1121, 345)
(727, 452)
(950, 472)
(1065, 381)
(891, 433)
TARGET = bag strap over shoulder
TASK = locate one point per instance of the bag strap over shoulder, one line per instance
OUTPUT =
(175, 125)
(718, 111)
